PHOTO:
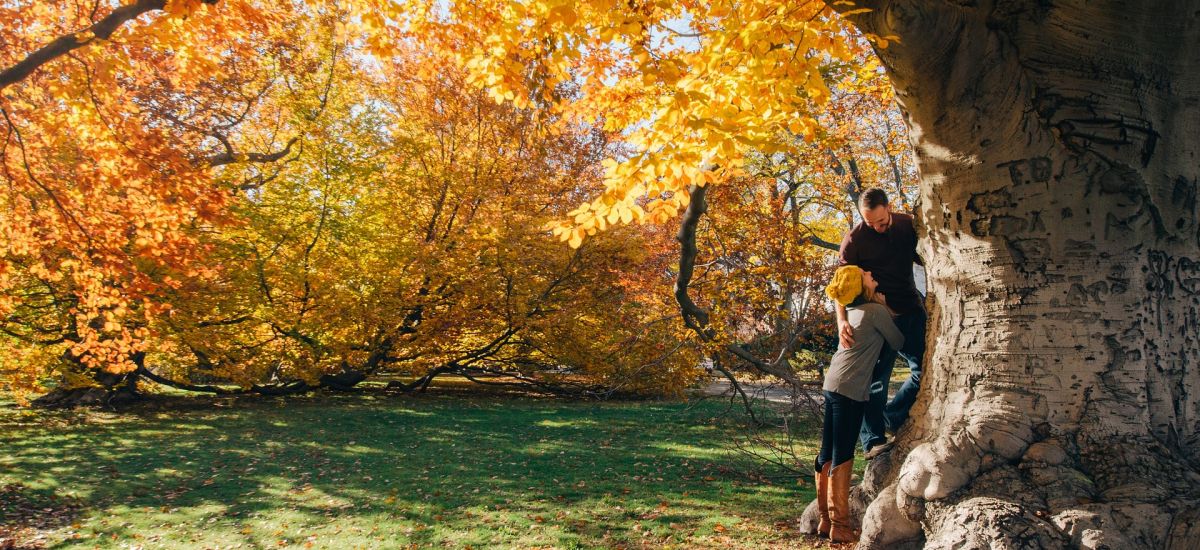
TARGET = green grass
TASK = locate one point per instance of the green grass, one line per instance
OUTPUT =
(370, 471)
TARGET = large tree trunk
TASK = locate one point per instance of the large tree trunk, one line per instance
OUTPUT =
(1059, 148)
(110, 390)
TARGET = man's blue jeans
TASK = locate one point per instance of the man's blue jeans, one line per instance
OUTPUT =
(880, 413)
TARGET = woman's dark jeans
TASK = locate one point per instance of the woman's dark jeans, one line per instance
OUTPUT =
(843, 417)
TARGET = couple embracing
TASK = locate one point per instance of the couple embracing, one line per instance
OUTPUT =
(879, 314)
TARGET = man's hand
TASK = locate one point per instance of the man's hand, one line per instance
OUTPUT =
(845, 334)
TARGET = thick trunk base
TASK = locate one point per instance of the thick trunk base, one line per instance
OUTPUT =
(111, 390)
(1060, 220)
(1059, 493)
(903, 533)
(114, 398)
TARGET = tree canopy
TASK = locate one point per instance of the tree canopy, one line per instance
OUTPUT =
(282, 197)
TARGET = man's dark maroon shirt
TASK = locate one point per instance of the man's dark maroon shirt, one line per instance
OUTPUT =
(889, 256)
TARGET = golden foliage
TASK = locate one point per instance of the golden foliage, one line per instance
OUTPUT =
(696, 87)
(206, 196)
(265, 192)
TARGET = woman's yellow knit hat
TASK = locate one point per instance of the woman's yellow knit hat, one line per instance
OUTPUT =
(846, 284)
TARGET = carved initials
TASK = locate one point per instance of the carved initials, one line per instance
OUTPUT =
(1026, 171)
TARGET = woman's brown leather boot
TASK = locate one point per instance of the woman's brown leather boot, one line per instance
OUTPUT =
(823, 499)
(839, 503)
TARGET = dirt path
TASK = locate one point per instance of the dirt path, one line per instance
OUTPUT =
(778, 393)
(774, 393)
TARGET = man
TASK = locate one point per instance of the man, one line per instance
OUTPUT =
(885, 244)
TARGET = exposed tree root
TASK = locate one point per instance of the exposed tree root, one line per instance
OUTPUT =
(1062, 490)
(94, 396)
(111, 390)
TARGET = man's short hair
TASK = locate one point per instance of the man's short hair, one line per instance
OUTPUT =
(872, 198)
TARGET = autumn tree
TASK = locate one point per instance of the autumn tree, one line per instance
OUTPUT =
(338, 207)
(114, 118)
(639, 67)
(409, 238)
(1058, 206)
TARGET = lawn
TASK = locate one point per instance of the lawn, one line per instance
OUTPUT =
(375, 471)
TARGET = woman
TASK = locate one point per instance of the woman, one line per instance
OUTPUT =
(846, 388)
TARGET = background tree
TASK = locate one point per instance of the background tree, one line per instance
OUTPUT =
(397, 226)
(1058, 211)
(107, 160)
(409, 239)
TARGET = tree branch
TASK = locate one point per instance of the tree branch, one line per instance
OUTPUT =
(230, 158)
(102, 29)
(45, 189)
(697, 318)
(147, 373)
(814, 240)
(733, 382)
(693, 316)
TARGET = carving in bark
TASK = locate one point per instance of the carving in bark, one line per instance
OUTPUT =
(1059, 149)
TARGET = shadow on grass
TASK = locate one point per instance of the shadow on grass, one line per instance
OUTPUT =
(27, 514)
(370, 471)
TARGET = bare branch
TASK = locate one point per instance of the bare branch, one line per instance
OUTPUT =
(733, 382)
(693, 316)
(814, 240)
(230, 158)
(154, 377)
